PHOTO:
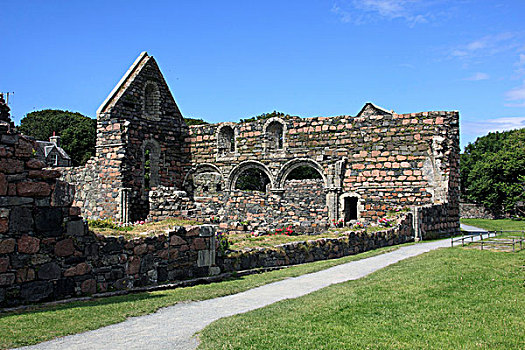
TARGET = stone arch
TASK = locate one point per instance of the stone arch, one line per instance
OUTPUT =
(274, 132)
(359, 205)
(295, 163)
(151, 153)
(239, 169)
(151, 105)
(226, 139)
(188, 182)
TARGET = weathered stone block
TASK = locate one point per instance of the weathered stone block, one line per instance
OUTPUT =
(64, 247)
(28, 244)
(7, 279)
(4, 264)
(33, 189)
(3, 185)
(78, 270)
(20, 220)
(36, 291)
(133, 265)
(7, 245)
(75, 228)
(140, 249)
(49, 271)
(176, 240)
(15, 201)
(64, 287)
(49, 221)
(24, 275)
(63, 194)
(4, 225)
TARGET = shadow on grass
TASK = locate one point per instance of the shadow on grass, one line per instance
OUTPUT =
(132, 297)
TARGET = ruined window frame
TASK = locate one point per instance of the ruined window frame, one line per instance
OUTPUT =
(281, 142)
(230, 152)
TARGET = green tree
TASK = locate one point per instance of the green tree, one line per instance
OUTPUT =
(78, 133)
(194, 121)
(493, 171)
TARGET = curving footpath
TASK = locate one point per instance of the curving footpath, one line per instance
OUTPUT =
(174, 327)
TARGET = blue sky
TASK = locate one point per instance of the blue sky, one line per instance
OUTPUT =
(226, 60)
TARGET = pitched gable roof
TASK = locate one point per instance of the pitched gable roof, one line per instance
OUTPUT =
(120, 88)
(371, 109)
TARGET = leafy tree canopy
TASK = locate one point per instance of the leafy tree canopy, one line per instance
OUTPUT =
(264, 116)
(194, 121)
(77, 132)
(493, 171)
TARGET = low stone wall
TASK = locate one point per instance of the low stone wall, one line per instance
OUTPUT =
(436, 221)
(167, 202)
(42, 266)
(319, 249)
(474, 211)
(302, 205)
(48, 253)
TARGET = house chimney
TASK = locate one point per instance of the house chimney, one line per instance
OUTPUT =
(55, 139)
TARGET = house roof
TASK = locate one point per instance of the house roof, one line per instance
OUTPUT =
(46, 147)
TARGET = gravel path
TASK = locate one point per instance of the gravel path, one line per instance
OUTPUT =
(173, 327)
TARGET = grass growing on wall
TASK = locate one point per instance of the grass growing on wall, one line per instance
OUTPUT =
(109, 227)
(446, 299)
(45, 323)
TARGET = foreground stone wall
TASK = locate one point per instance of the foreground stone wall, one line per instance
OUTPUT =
(318, 249)
(48, 253)
(40, 267)
(474, 211)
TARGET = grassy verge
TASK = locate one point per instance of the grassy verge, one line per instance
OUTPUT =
(17, 329)
(498, 225)
(446, 299)
(495, 225)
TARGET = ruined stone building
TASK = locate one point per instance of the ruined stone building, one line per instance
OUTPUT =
(149, 163)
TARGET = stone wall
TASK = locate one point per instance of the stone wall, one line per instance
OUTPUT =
(318, 249)
(383, 159)
(42, 266)
(302, 205)
(48, 253)
(474, 211)
(436, 221)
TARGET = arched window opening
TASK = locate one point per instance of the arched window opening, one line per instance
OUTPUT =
(151, 100)
(147, 170)
(275, 136)
(304, 172)
(226, 140)
(252, 179)
(350, 208)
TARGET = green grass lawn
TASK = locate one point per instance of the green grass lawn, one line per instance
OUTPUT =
(496, 225)
(445, 299)
(17, 329)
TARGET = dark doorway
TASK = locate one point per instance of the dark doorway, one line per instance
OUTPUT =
(350, 208)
